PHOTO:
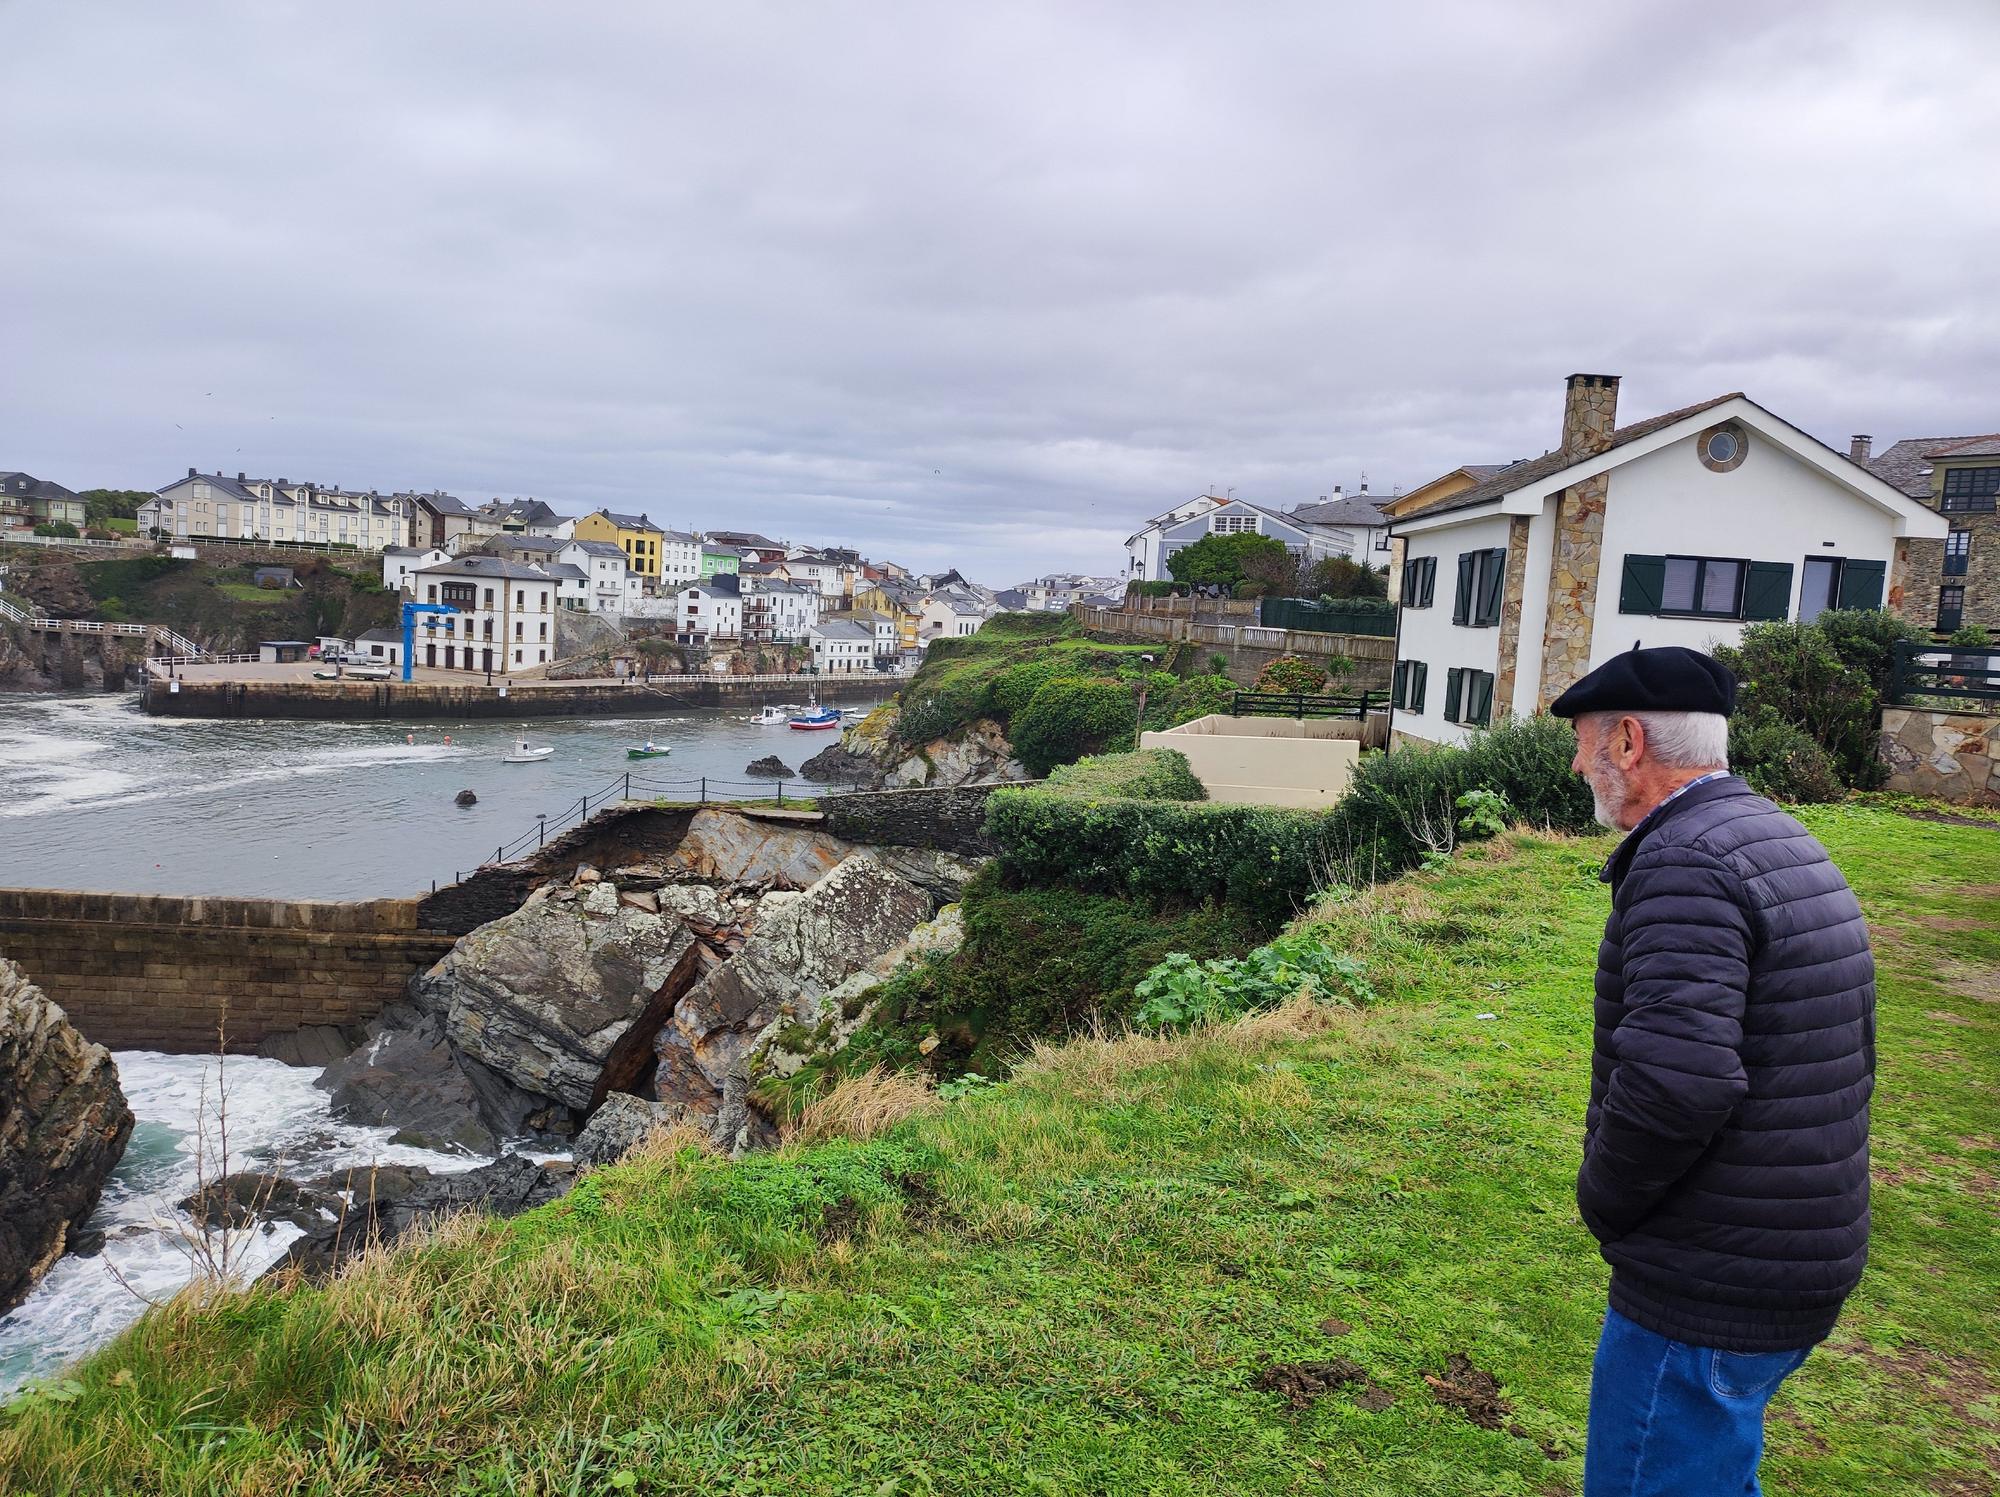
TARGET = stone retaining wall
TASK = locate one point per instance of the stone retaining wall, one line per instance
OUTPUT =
(430, 699)
(951, 820)
(157, 972)
(1952, 755)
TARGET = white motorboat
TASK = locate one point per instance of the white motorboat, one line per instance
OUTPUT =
(775, 717)
(525, 752)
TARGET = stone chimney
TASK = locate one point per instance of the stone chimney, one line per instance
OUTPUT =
(1590, 411)
(192, 473)
(1859, 446)
(241, 477)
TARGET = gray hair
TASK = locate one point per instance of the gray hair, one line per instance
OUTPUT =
(1684, 740)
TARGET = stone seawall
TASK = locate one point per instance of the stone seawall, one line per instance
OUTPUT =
(952, 820)
(431, 699)
(158, 972)
(1952, 755)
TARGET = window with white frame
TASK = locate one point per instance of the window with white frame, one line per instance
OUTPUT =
(1228, 524)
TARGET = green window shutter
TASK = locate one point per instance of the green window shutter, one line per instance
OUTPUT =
(1767, 593)
(1430, 580)
(1492, 584)
(1454, 685)
(1643, 585)
(1479, 699)
(1396, 690)
(1861, 583)
(1461, 601)
(1419, 675)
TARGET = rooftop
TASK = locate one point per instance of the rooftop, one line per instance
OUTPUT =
(1907, 464)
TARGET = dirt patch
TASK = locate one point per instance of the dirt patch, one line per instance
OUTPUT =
(1946, 1016)
(1950, 818)
(1474, 1395)
(1333, 1325)
(1302, 1384)
(1957, 1384)
(838, 1220)
(924, 1208)
(1951, 922)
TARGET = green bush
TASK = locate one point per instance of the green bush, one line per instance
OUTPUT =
(1157, 589)
(1292, 673)
(127, 577)
(1069, 717)
(1182, 992)
(1147, 774)
(1228, 560)
(1781, 761)
(1971, 637)
(1173, 700)
(1016, 686)
(58, 529)
(1825, 678)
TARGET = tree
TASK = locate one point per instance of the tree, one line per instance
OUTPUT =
(1343, 577)
(100, 505)
(59, 529)
(1225, 560)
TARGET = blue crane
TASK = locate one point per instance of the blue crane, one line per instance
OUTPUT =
(410, 612)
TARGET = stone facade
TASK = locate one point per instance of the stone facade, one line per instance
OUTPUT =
(1510, 616)
(1922, 575)
(1952, 755)
(952, 820)
(1573, 568)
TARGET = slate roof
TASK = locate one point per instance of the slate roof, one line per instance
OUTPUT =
(381, 636)
(487, 566)
(1011, 598)
(598, 548)
(565, 571)
(627, 522)
(1349, 509)
(842, 629)
(27, 486)
(1534, 469)
(442, 504)
(744, 538)
(229, 487)
(1906, 464)
(546, 543)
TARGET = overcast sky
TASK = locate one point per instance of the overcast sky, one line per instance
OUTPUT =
(974, 285)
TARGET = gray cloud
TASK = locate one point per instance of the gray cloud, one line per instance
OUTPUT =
(972, 286)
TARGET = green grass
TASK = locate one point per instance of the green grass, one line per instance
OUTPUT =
(249, 592)
(128, 527)
(1069, 1283)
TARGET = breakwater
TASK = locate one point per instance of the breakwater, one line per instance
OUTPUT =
(193, 696)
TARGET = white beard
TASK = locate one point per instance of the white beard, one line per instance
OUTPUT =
(1607, 793)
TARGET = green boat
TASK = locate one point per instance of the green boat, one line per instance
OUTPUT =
(647, 753)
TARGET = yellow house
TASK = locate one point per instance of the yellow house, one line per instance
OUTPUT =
(893, 601)
(1421, 498)
(638, 537)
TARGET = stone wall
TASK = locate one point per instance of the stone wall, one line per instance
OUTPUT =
(1952, 755)
(431, 699)
(157, 972)
(619, 834)
(1247, 647)
(946, 820)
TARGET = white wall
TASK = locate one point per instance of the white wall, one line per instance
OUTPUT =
(1771, 507)
(1429, 635)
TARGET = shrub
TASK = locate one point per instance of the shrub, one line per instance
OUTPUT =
(1781, 761)
(1527, 760)
(1825, 678)
(1218, 664)
(1016, 686)
(1069, 717)
(1157, 589)
(1181, 992)
(60, 529)
(1147, 774)
(1228, 560)
(1292, 673)
(1971, 637)
(1171, 701)
(1249, 587)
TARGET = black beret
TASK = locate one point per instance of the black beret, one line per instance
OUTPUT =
(1671, 678)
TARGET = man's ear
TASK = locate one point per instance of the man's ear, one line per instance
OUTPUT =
(1628, 742)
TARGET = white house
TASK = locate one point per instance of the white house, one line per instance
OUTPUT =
(611, 582)
(504, 619)
(572, 585)
(399, 563)
(1055, 592)
(950, 614)
(882, 628)
(1145, 563)
(1353, 523)
(810, 569)
(775, 610)
(380, 646)
(1305, 537)
(680, 558)
(841, 647)
(709, 611)
(1677, 530)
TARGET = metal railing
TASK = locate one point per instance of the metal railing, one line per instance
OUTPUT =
(1303, 704)
(1964, 673)
(48, 624)
(700, 790)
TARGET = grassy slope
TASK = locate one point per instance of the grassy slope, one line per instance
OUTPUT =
(1067, 1284)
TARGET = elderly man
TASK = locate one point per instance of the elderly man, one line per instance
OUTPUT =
(1725, 1158)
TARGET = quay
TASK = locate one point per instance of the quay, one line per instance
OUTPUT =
(248, 689)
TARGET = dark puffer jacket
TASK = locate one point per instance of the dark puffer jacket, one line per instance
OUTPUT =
(1725, 1168)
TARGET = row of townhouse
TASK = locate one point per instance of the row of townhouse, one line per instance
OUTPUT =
(1680, 529)
(217, 507)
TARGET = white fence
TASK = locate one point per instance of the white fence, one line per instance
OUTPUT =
(47, 625)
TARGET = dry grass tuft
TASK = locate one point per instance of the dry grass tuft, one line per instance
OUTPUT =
(665, 1145)
(1300, 1017)
(864, 1106)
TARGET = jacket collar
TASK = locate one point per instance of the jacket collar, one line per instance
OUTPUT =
(1621, 856)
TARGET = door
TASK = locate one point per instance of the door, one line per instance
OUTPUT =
(1819, 588)
(431, 655)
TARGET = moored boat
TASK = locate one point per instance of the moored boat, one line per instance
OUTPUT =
(650, 751)
(816, 721)
(525, 752)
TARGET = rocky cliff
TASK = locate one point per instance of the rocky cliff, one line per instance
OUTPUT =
(870, 753)
(63, 1126)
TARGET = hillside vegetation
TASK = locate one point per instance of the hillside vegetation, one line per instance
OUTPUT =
(1321, 1249)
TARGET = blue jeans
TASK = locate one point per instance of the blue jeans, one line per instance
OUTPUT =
(1669, 1418)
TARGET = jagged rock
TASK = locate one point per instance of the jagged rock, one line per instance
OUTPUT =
(406, 1075)
(797, 953)
(63, 1126)
(246, 1198)
(838, 764)
(980, 756)
(385, 1201)
(620, 1125)
(725, 848)
(770, 767)
(942, 875)
(312, 1044)
(545, 995)
(642, 899)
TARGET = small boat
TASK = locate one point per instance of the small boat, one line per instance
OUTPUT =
(524, 752)
(818, 720)
(648, 752)
(774, 717)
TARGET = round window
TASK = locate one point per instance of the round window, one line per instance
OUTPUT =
(1722, 446)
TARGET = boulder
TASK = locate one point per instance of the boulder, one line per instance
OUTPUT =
(247, 1198)
(796, 954)
(942, 875)
(722, 847)
(838, 764)
(979, 756)
(544, 996)
(770, 767)
(619, 1126)
(385, 1201)
(312, 1044)
(405, 1074)
(63, 1126)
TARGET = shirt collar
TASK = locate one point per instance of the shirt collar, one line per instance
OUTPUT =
(1622, 853)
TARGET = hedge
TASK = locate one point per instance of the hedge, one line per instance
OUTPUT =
(1148, 774)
